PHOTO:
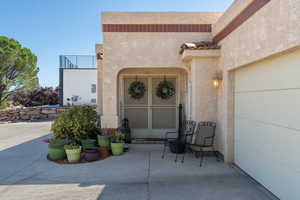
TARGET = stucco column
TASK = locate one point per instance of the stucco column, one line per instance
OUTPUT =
(109, 117)
(204, 95)
(228, 125)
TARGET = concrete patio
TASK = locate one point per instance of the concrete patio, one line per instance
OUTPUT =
(140, 174)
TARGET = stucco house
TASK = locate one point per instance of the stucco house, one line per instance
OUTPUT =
(239, 68)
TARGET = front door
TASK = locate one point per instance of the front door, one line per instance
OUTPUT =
(150, 116)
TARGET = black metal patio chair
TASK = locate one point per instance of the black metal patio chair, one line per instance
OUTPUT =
(188, 128)
(203, 138)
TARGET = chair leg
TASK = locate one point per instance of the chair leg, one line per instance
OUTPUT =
(176, 158)
(164, 150)
(201, 157)
(216, 155)
(185, 150)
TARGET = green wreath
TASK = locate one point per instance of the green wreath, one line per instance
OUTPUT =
(165, 90)
(137, 90)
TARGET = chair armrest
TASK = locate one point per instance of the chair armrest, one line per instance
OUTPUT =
(168, 133)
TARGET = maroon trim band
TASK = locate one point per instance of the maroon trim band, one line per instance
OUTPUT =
(250, 10)
(157, 27)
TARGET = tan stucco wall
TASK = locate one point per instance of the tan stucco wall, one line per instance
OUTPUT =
(99, 49)
(272, 30)
(160, 17)
(229, 15)
(204, 95)
(142, 50)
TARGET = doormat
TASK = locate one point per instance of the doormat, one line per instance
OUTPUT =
(147, 141)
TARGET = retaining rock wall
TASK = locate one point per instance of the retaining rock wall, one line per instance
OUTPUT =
(30, 113)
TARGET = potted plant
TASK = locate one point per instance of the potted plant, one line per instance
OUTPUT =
(86, 143)
(56, 149)
(104, 152)
(104, 137)
(91, 154)
(117, 143)
(73, 152)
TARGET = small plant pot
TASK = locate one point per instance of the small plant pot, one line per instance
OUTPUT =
(56, 152)
(73, 155)
(117, 149)
(104, 152)
(177, 147)
(91, 154)
(86, 143)
(103, 141)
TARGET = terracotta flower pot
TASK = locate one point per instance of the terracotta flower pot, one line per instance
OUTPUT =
(91, 154)
(104, 152)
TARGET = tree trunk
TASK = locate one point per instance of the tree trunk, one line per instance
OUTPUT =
(2, 89)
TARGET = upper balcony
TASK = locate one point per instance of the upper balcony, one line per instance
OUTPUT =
(77, 61)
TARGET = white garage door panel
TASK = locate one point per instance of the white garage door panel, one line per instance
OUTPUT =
(281, 107)
(267, 123)
(277, 73)
(262, 152)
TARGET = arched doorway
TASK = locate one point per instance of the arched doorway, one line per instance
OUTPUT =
(150, 116)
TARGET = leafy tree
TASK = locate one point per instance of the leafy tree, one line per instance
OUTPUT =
(18, 68)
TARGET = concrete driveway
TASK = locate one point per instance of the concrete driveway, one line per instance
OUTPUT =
(140, 174)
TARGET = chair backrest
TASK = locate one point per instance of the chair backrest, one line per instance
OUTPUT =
(205, 134)
(189, 126)
(188, 130)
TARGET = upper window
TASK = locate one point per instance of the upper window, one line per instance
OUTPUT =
(93, 88)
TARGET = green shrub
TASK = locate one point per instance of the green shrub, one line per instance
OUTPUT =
(76, 123)
(56, 143)
(72, 146)
(117, 137)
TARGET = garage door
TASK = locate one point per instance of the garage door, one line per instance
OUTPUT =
(267, 123)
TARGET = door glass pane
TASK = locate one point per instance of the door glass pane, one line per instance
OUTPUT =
(164, 118)
(158, 100)
(138, 117)
(131, 101)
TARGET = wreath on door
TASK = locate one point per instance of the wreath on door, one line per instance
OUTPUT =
(137, 90)
(165, 90)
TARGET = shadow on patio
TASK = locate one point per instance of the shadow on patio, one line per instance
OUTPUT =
(139, 174)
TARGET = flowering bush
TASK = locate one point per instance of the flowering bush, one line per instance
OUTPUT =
(37, 97)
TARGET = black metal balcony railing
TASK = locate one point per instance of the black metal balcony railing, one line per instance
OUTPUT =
(77, 61)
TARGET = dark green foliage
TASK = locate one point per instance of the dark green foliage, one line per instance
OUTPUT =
(118, 137)
(76, 123)
(18, 70)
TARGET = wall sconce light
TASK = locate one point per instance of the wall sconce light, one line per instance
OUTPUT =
(217, 80)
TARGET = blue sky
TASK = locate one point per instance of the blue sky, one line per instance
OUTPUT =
(55, 27)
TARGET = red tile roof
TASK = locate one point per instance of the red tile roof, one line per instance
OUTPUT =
(204, 45)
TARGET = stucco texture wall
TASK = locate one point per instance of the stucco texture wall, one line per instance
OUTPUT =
(272, 30)
(142, 50)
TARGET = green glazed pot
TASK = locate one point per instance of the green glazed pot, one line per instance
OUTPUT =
(73, 155)
(56, 152)
(117, 148)
(104, 141)
(86, 143)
